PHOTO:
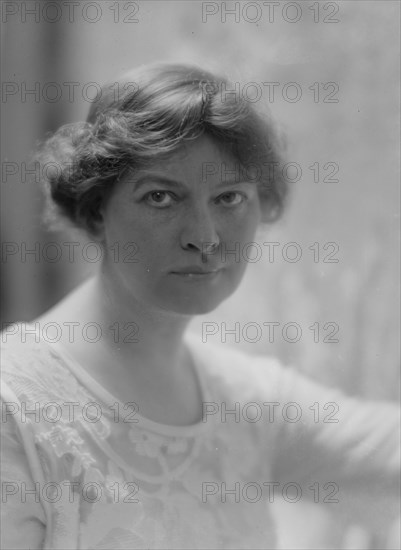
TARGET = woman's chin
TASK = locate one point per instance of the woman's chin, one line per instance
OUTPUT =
(194, 296)
(194, 305)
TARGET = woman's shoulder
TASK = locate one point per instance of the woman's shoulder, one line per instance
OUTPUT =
(30, 368)
(234, 370)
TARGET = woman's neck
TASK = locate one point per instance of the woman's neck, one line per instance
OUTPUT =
(132, 328)
(130, 333)
(140, 356)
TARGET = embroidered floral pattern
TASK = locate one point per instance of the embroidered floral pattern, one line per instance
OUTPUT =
(146, 443)
(159, 504)
(151, 444)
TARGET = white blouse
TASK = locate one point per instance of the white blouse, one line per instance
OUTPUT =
(81, 469)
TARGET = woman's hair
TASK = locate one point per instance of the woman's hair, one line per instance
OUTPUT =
(145, 116)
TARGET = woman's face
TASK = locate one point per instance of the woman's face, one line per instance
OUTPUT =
(158, 225)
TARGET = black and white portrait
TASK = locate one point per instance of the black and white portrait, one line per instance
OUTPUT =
(200, 275)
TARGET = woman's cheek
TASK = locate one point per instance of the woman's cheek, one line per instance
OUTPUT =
(242, 226)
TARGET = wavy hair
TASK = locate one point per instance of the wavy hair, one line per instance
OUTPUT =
(146, 115)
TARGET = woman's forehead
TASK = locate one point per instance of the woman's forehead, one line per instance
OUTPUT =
(200, 160)
(196, 153)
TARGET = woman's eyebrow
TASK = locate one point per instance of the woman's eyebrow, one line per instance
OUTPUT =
(149, 178)
(157, 178)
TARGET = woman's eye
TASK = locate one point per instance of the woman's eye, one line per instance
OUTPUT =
(159, 198)
(231, 199)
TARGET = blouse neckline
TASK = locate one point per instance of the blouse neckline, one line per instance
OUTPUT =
(97, 389)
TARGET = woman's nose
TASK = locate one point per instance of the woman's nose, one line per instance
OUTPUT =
(199, 232)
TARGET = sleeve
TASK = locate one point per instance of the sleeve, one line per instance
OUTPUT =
(23, 519)
(339, 449)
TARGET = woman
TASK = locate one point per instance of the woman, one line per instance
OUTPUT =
(137, 435)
